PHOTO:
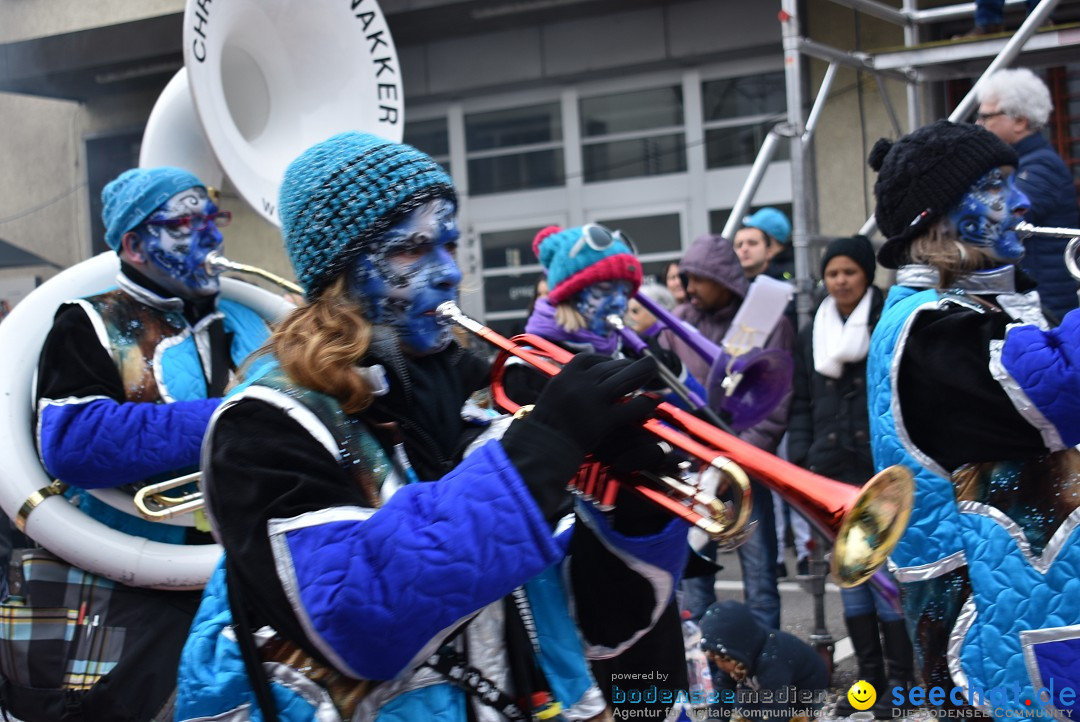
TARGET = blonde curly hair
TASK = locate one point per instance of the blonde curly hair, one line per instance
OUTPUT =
(319, 344)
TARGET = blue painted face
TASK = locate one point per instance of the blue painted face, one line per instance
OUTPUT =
(176, 239)
(600, 300)
(410, 271)
(987, 215)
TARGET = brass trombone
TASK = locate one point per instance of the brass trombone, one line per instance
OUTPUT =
(216, 264)
(865, 523)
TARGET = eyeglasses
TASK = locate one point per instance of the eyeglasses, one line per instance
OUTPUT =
(195, 222)
(599, 238)
(981, 117)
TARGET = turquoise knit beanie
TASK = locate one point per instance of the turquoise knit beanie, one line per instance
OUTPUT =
(135, 194)
(575, 258)
(772, 222)
(341, 195)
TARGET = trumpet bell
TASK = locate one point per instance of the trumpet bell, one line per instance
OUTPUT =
(873, 526)
(749, 386)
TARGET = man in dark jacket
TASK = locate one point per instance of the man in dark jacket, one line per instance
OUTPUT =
(716, 288)
(1014, 105)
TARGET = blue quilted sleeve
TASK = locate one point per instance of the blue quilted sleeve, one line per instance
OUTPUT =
(401, 577)
(104, 443)
(1046, 365)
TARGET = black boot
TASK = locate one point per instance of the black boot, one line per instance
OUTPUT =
(863, 631)
(900, 670)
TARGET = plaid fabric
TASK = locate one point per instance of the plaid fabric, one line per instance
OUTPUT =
(75, 646)
(63, 615)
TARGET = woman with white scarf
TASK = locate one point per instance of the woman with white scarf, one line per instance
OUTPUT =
(829, 433)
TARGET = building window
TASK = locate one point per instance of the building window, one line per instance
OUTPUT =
(738, 113)
(511, 271)
(106, 158)
(657, 239)
(629, 135)
(515, 149)
(432, 137)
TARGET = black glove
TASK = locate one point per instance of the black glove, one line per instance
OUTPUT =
(585, 401)
(631, 450)
(576, 409)
(665, 355)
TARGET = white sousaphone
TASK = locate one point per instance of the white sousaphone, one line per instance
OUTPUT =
(264, 79)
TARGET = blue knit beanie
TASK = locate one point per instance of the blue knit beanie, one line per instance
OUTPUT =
(772, 222)
(341, 195)
(135, 194)
(572, 264)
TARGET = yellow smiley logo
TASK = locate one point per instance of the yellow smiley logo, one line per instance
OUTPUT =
(862, 695)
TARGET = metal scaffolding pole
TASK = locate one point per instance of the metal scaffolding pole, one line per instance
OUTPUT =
(1009, 53)
(776, 135)
(793, 75)
(820, 638)
(914, 97)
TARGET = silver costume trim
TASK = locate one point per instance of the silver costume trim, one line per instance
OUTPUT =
(1057, 542)
(239, 714)
(1031, 637)
(159, 367)
(295, 410)
(412, 677)
(145, 295)
(923, 572)
(68, 401)
(992, 281)
(202, 339)
(1024, 307)
(318, 517)
(964, 620)
(286, 572)
(1020, 400)
(662, 583)
(894, 401)
(99, 326)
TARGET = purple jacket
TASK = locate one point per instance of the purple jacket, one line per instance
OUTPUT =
(713, 257)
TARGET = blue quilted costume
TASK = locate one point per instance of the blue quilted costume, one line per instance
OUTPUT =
(157, 354)
(416, 596)
(382, 563)
(988, 562)
(970, 388)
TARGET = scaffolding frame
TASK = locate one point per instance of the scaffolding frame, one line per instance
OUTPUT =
(799, 131)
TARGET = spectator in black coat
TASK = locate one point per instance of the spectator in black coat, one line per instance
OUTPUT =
(829, 433)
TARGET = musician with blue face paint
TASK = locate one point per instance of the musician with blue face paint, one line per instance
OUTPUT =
(971, 387)
(592, 274)
(388, 556)
(127, 382)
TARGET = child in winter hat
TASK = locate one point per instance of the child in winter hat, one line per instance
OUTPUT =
(576, 259)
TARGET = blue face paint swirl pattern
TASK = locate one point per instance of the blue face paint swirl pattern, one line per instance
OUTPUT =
(600, 300)
(987, 215)
(177, 253)
(408, 273)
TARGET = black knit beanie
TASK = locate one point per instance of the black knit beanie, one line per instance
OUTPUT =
(923, 174)
(857, 248)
